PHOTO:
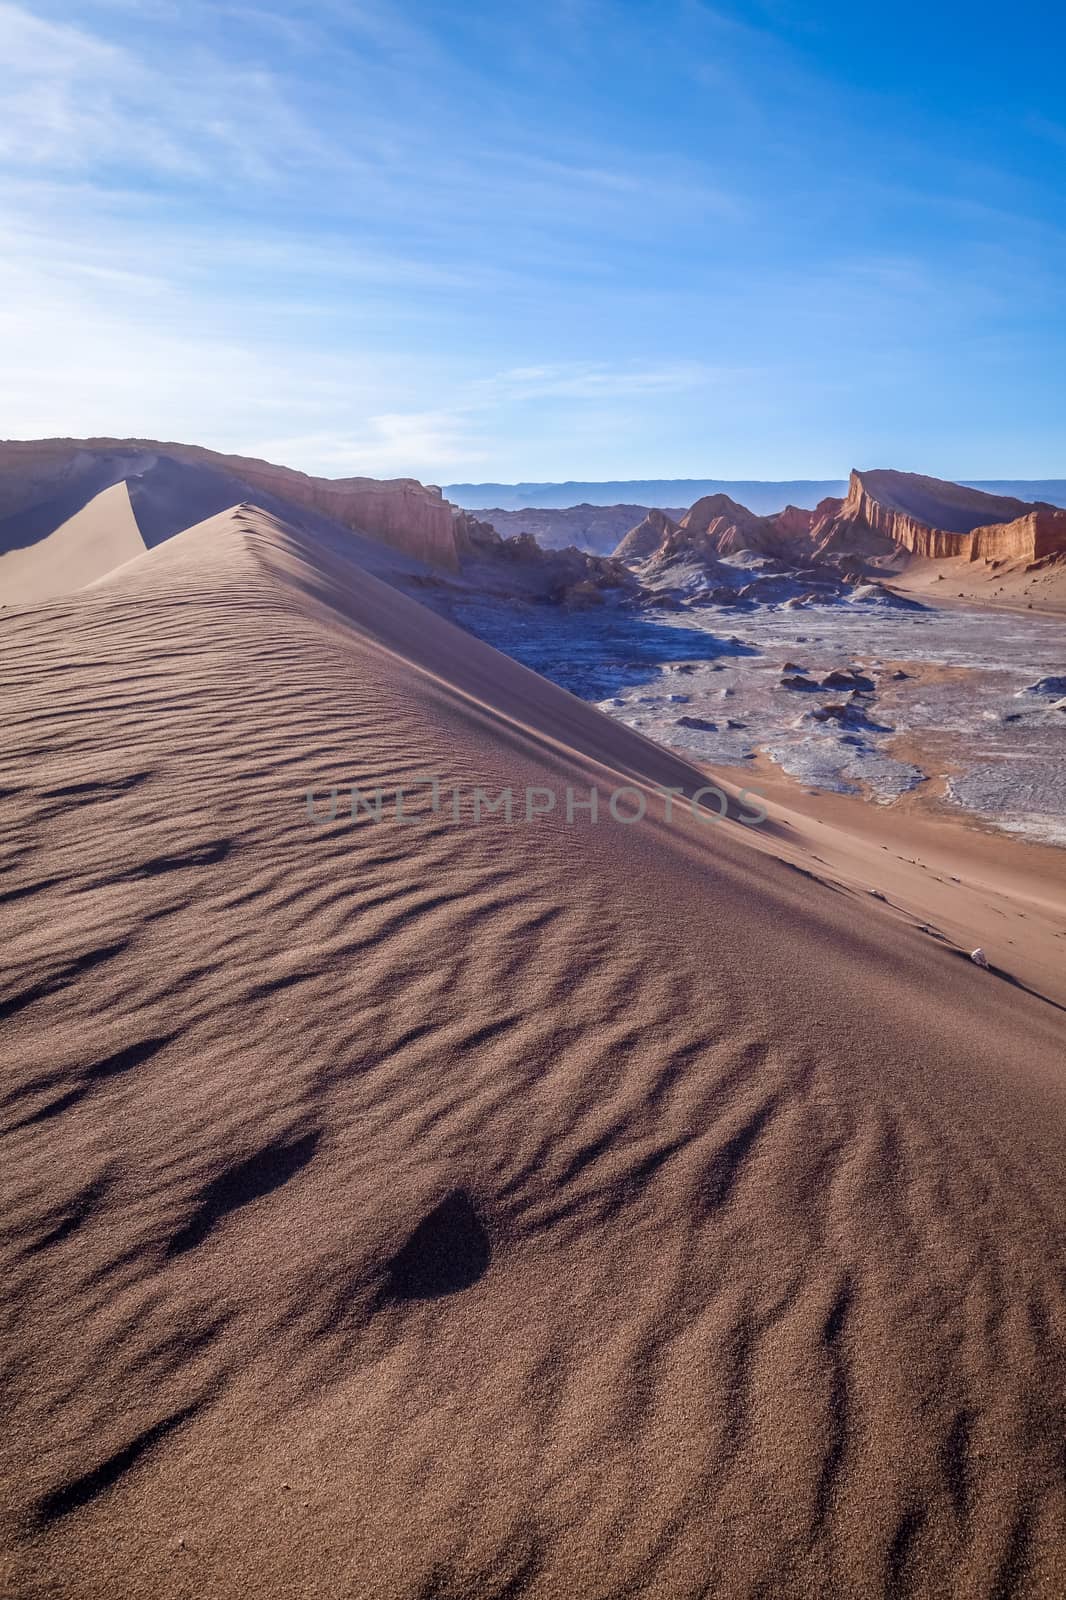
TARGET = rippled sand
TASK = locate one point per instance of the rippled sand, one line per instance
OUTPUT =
(440, 1210)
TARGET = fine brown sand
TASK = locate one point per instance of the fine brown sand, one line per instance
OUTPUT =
(961, 883)
(999, 585)
(447, 1210)
(87, 546)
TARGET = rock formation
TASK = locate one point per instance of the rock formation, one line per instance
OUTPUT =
(884, 517)
(1041, 532)
(647, 537)
(793, 523)
(937, 519)
(721, 527)
(715, 527)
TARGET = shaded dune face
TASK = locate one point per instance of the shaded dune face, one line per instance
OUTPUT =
(420, 1209)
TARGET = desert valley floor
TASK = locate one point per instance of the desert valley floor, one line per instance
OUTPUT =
(458, 1211)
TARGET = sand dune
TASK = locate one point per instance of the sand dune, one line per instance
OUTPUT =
(439, 1209)
(174, 485)
(91, 542)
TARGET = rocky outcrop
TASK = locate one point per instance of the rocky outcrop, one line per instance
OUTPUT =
(401, 512)
(647, 537)
(880, 496)
(719, 526)
(793, 523)
(884, 517)
(412, 516)
(728, 528)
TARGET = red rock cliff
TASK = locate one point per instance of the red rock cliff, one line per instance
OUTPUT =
(1041, 532)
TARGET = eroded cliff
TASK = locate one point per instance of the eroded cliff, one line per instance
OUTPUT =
(938, 520)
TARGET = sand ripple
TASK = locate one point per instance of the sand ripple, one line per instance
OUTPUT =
(429, 1210)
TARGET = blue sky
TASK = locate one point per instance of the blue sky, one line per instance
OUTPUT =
(570, 239)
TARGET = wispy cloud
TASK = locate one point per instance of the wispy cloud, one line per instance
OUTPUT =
(427, 444)
(464, 433)
(590, 381)
(72, 100)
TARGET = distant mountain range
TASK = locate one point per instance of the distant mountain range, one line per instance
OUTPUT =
(761, 496)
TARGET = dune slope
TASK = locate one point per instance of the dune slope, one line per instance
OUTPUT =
(84, 546)
(436, 1209)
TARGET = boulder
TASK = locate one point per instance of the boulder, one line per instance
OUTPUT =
(841, 679)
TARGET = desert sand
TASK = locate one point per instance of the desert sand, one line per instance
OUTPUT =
(1011, 585)
(87, 545)
(438, 1209)
(958, 882)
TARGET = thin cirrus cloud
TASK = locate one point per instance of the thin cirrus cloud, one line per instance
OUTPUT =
(465, 434)
(582, 381)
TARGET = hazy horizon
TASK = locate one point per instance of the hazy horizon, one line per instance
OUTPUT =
(762, 495)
